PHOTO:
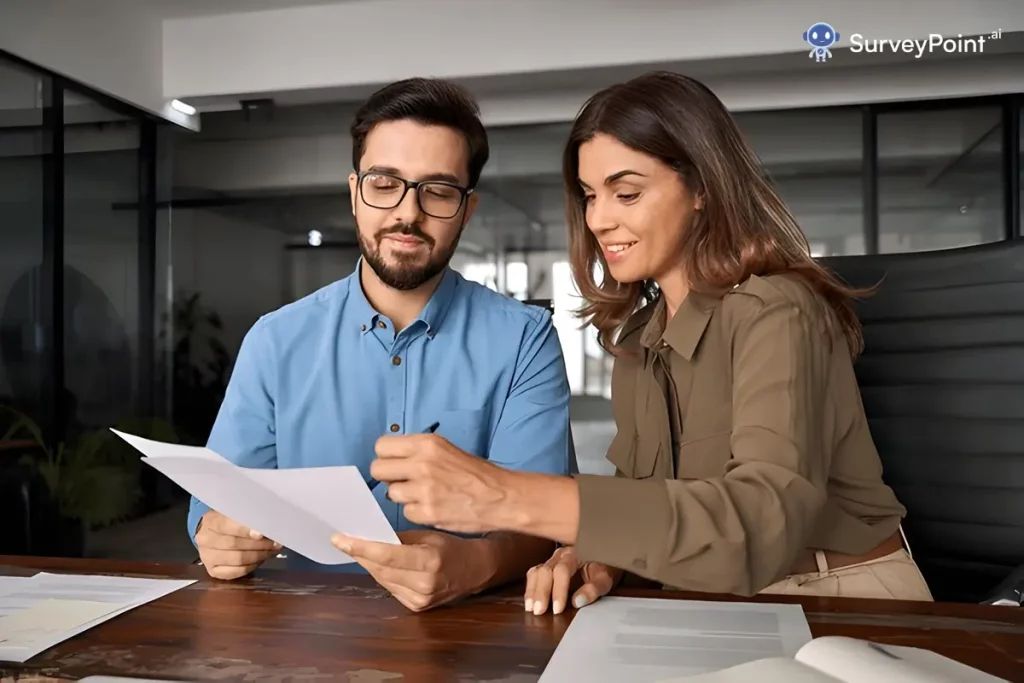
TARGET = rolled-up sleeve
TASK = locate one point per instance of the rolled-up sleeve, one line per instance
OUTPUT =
(739, 532)
(532, 433)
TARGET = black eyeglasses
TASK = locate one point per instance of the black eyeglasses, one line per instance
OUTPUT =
(436, 198)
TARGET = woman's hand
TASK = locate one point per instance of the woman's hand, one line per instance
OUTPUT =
(440, 485)
(549, 582)
(444, 487)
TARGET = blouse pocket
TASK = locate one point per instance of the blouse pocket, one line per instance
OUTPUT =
(629, 458)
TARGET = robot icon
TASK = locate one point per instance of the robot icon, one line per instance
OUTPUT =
(821, 37)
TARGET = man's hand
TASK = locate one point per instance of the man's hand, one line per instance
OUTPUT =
(427, 570)
(229, 550)
(549, 582)
(439, 484)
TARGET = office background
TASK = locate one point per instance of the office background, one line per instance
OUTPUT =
(138, 241)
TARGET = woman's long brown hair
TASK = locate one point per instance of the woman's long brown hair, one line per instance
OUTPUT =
(743, 229)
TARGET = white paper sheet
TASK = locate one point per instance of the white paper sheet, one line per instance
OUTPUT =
(9, 585)
(299, 508)
(48, 619)
(47, 609)
(646, 640)
(774, 670)
(839, 659)
(859, 661)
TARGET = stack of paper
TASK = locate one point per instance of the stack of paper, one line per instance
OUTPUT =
(44, 610)
(299, 508)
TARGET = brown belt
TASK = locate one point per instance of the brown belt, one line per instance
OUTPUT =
(806, 564)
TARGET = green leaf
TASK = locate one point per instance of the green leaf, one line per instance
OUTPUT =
(23, 422)
(102, 496)
(95, 479)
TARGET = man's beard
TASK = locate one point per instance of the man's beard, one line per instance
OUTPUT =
(406, 273)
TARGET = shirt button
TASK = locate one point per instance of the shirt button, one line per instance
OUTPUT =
(397, 360)
(381, 325)
(395, 428)
(363, 327)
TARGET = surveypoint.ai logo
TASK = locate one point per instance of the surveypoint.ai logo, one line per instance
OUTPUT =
(821, 37)
(921, 46)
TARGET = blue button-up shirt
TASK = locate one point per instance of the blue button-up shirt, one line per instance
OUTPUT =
(317, 382)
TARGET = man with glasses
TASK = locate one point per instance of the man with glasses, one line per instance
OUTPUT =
(403, 345)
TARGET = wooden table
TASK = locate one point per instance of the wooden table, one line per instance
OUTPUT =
(282, 626)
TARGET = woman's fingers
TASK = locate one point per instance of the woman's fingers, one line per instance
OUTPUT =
(542, 589)
(598, 581)
(531, 587)
(561, 575)
(548, 583)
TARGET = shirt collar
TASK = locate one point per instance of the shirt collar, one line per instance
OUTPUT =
(686, 328)
(432, 315)
(360, 305)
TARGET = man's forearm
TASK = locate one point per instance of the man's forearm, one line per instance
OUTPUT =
(510, 555)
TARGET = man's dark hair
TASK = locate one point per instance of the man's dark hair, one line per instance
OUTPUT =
(431, 102)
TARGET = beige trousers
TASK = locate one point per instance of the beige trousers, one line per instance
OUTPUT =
(892, 577)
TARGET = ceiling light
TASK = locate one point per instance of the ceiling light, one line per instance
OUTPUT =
(186, 109)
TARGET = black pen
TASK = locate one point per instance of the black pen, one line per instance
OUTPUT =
(429, 430)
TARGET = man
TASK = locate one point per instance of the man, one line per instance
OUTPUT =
(400, 345)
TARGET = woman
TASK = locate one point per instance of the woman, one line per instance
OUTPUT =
(744, 460)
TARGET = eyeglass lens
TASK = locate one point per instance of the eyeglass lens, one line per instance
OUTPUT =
(439, 200)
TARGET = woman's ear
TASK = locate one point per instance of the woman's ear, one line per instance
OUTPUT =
(698, 202)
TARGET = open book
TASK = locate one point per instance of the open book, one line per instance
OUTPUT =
(837, 659)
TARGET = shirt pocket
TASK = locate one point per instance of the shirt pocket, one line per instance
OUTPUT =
(625, 453)
(704, 457)
(469, 430)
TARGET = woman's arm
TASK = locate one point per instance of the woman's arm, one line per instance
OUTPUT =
(735, 533)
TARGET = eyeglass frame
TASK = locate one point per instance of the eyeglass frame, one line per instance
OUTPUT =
(464, 192)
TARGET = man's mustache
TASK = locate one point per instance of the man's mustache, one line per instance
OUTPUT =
(410, 229)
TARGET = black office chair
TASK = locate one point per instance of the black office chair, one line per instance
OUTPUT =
(546, 304)
(942, 378)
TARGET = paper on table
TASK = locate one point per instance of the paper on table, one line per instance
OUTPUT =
(9, 585)
(48, 618)
(646, 640)
(299, 508)
(859, 661)
(116, 594)
(839, 659)
(774, 670)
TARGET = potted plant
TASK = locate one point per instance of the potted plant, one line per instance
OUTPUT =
(90, 482)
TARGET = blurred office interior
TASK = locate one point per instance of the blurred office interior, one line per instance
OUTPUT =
(164, 186)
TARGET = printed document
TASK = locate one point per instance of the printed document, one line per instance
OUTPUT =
(44, 610)
(299, 508)
(643, 640)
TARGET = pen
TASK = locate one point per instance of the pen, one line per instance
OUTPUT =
(429, 430)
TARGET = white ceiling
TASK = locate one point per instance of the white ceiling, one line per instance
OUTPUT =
(173, 9)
